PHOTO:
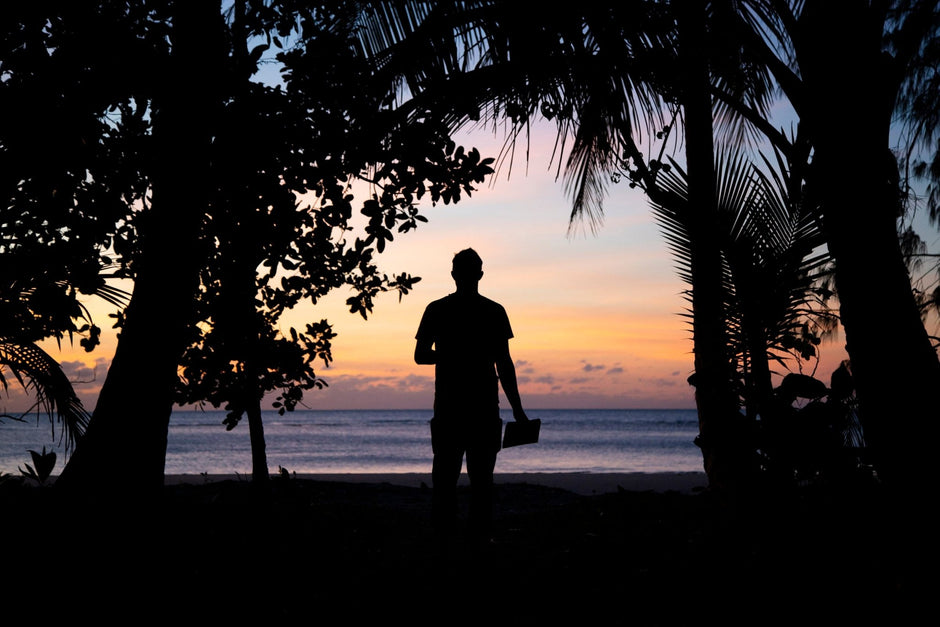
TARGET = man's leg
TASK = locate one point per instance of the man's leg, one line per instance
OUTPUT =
(480, 465)
(481, 462)
(445, 472)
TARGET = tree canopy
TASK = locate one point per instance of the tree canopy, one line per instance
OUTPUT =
(225, 200)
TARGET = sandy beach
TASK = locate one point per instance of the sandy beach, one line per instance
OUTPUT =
(568, 548)
(576, 482)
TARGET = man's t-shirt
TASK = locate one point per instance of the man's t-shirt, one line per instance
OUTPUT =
(468, 332)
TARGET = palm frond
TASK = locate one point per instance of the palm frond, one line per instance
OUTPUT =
(589, 68)
(671, 212)
(39, 374)
(745, 79)
(111, 294)
(771, 249)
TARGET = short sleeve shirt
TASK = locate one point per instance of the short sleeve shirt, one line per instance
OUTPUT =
(468, 333)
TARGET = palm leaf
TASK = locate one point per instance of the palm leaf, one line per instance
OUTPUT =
(42, 376)
(587, 67)
(743, 80)
(771, 247)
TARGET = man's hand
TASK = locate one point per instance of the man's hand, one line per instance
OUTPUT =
(519, 415)
(425, 353)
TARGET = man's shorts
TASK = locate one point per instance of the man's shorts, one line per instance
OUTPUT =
(463, 432)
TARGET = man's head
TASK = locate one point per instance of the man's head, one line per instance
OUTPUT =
(468, 267)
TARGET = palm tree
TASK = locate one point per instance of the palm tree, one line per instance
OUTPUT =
(853, 176)
(776, 258)
(770, 246)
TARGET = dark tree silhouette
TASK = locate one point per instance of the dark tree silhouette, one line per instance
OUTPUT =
(881, 48)
(316, 139)
(61, 166)
(126, 436)
(147, 90)
(774, 278)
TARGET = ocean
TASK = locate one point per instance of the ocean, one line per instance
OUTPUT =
(398, 441)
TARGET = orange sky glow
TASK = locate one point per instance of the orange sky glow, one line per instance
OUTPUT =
(596, 313)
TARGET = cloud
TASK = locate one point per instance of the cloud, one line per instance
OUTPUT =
(524, 367)
(591, 367)
(414, 382)
(80, 373)
(659, 382)
(362, 383)
(410, 391)
(615, 370)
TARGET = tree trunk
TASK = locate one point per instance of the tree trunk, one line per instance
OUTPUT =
(125, 445)
(259, 457)
(721, 424)
(895, 367)
(759, 379)
(244, 271)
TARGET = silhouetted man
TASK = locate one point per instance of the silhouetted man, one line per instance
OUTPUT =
(466, 337)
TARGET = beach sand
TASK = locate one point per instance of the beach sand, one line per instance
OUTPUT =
(578, 482)
(584, 549)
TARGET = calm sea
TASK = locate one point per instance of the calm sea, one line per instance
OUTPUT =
(398, 441)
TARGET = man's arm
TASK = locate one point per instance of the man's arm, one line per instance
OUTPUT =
(424, 353)
(507, 377)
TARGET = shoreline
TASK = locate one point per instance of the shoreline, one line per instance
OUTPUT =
(583, 483)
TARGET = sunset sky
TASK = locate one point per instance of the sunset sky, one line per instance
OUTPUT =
(596, 314)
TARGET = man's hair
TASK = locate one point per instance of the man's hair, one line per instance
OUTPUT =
(468, 264)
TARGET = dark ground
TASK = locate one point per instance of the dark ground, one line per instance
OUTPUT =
(313, 552)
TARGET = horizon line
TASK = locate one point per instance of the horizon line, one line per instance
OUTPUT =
(428, 409)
